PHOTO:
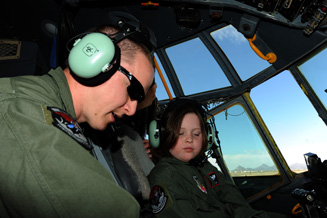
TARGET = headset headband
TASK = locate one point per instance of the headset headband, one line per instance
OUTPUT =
(134, 29)
(182, 102)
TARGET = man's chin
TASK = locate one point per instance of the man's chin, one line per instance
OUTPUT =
(100, 126)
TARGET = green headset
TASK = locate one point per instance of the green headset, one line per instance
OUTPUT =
(156, 128)
(93, 59)
(95, 56)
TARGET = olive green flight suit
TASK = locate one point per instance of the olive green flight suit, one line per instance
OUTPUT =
(44, 171)
(183, 190)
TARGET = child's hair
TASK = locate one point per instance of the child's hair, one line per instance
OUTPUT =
(171, 122)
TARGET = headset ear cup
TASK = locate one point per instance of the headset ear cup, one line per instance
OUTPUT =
(91, 55)
(154, 133)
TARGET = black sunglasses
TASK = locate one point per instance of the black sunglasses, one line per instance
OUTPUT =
(135, 89)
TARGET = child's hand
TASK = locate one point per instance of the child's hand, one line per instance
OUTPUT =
(147, 147)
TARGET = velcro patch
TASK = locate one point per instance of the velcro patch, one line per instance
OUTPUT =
(213, 179)
(64, 121)
(158, 199)
(200, 185)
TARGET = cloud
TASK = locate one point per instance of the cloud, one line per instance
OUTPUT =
(229, 33)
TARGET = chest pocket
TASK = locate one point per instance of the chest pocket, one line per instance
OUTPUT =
(204, 193)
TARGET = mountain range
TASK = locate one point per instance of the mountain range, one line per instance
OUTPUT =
(265, 167)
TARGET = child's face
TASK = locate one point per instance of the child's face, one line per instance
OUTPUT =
(189, 142)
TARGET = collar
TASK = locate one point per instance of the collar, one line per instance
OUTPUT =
(61, 82)
(174, 161)
(198, 162)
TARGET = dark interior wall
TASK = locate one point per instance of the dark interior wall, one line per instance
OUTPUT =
(24, 21)
(28, 62)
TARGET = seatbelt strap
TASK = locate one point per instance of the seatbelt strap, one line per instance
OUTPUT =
(98, 154)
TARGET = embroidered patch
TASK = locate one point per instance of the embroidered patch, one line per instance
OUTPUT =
(158, 199)
(199, 184)
(213, 179)
(62, 120)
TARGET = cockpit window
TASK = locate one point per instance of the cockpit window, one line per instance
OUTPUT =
(314, 70)
(291, 119)
(245, 154)
(195, 67)
(236, 47)
(161, 92)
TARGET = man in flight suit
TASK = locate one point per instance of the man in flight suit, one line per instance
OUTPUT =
(45, 162)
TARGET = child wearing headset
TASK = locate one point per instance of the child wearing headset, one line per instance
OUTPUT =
(183, 182)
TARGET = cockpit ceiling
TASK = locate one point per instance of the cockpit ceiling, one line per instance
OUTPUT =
(172, 21)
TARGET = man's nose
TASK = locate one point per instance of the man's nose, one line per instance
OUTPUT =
(130, 107)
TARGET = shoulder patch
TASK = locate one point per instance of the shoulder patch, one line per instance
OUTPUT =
(64, 121)
(213, 179)
(158, 199)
